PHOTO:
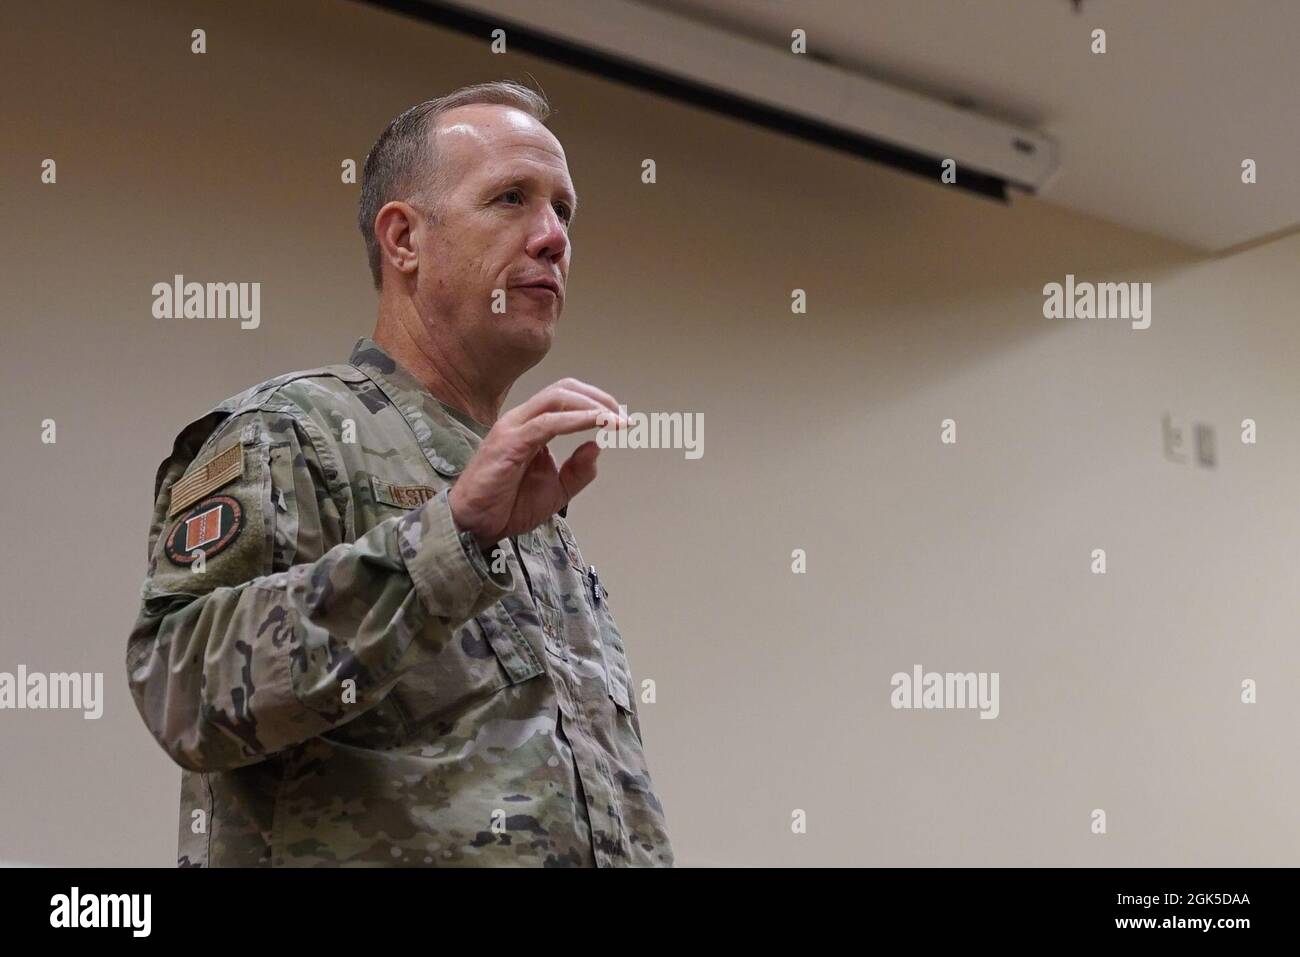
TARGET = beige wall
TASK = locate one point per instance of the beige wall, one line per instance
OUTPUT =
(822, 432)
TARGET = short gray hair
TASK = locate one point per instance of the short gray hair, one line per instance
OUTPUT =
(402, 165)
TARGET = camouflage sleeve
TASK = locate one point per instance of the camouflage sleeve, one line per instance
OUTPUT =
(242, 646)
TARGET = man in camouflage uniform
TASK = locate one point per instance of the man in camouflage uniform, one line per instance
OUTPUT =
(367, 634)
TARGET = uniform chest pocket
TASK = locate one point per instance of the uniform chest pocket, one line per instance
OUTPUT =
(613, 655)
(618, 673)
(482, 657)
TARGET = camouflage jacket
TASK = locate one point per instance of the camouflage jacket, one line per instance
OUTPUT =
(343, 681)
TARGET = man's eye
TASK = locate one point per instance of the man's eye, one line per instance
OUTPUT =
(562, 209)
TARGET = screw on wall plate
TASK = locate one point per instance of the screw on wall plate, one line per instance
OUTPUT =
(1173, 439)
(1205, 444)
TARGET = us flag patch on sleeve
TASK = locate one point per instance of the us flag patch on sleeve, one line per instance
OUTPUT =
(222, 469)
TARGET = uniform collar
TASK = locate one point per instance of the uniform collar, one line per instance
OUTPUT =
(448, 437)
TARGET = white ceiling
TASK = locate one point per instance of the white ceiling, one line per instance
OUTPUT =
(1151, 134)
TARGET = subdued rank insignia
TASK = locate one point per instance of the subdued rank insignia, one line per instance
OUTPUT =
(570, 543)
(402, 496)
(208, 528)
(222, 468)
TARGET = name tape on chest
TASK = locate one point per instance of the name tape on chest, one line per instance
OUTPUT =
(401, 496)
(221, 469)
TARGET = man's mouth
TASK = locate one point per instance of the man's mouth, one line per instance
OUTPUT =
(540, 286)
(544, 296)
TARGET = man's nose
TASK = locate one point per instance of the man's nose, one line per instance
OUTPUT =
(550, 239)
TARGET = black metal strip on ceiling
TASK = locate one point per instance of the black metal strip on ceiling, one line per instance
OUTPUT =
(637, 75)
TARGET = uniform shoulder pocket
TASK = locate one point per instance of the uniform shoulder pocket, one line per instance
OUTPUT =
(216, 520)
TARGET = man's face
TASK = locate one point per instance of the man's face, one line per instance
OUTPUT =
(501, 224)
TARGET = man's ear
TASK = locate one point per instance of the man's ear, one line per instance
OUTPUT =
(395, 233)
